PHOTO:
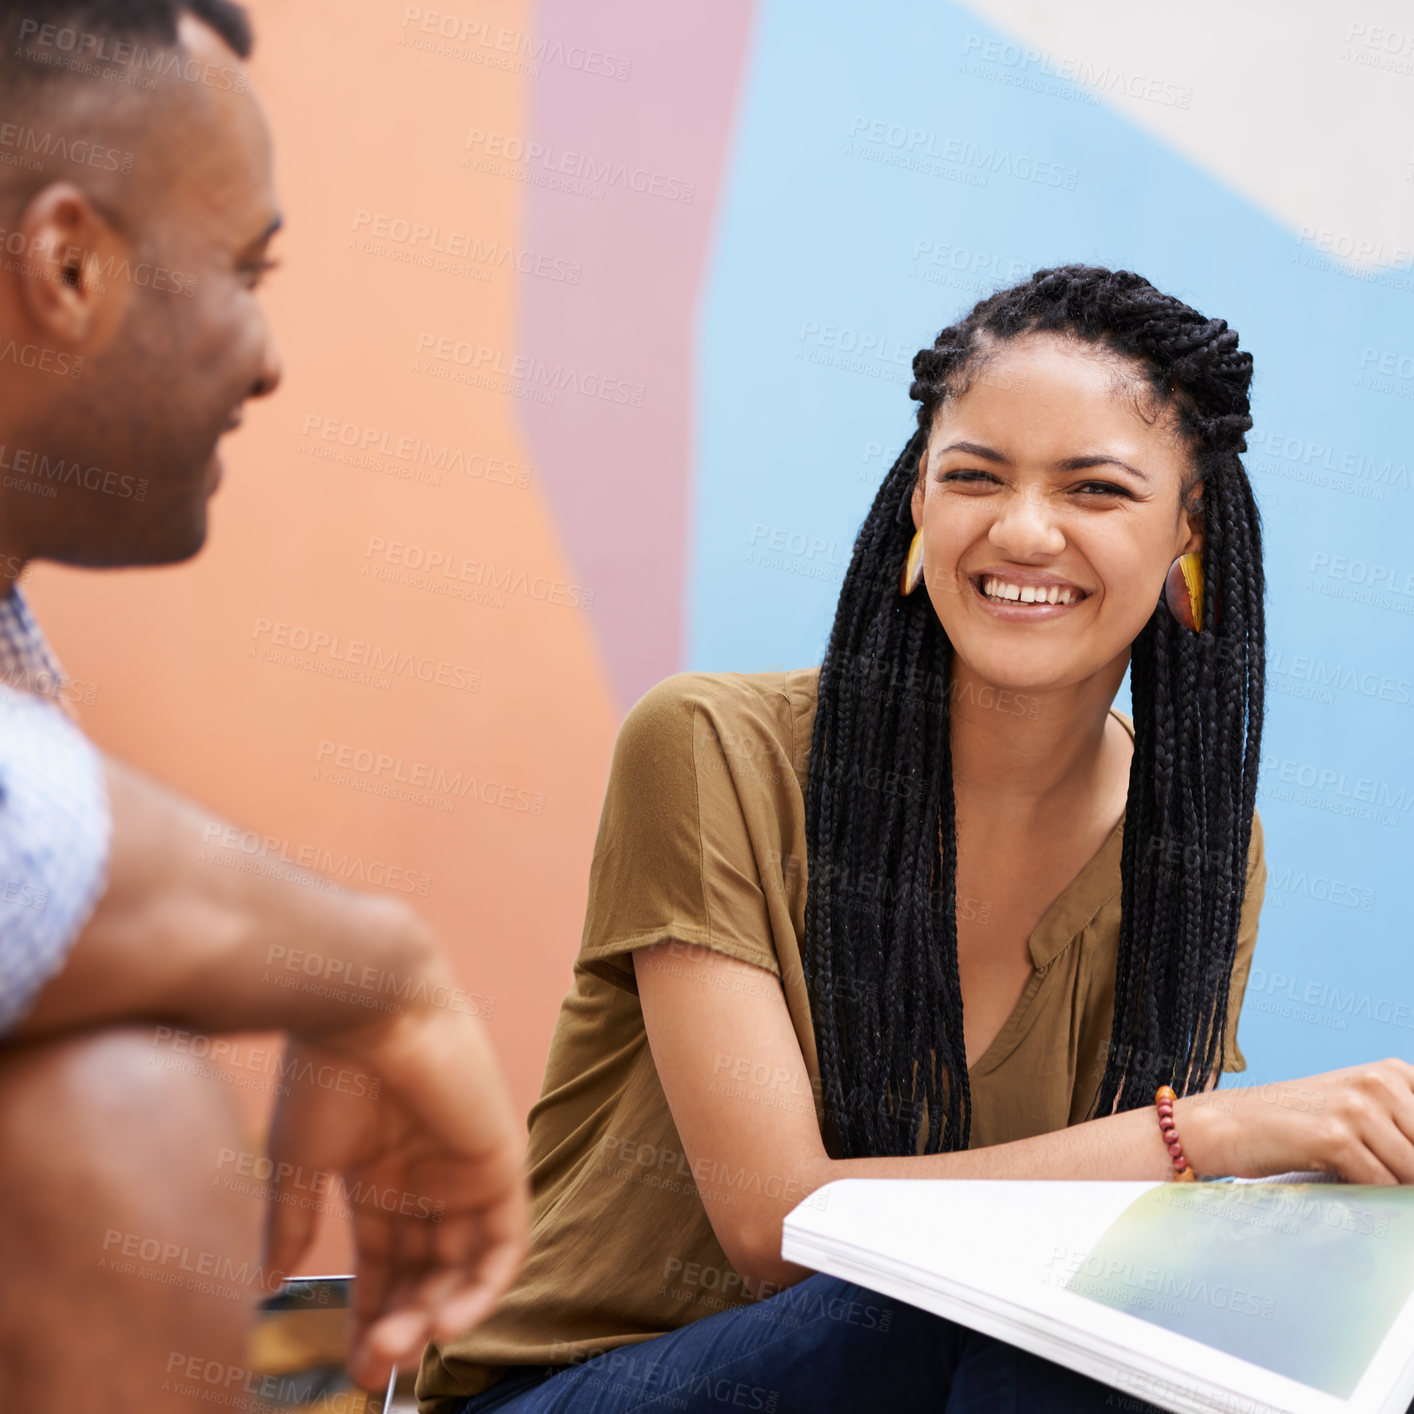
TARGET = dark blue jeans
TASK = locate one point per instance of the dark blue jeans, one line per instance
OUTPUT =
(822, 1345)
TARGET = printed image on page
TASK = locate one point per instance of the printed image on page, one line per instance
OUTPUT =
(1303, 1279)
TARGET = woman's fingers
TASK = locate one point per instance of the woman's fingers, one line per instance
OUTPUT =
(1368, 1123)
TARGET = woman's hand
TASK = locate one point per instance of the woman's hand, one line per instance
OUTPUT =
(1357, 1123)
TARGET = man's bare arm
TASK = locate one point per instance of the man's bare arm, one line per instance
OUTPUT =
(184, 934)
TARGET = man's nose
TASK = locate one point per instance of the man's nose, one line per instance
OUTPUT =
(272, 369)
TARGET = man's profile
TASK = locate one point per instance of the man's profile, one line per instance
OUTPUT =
(138, 208)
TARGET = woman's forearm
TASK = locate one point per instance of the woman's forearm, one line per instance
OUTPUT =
(1122, 1146)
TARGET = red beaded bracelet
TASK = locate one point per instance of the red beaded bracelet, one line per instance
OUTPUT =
(1182, 1169)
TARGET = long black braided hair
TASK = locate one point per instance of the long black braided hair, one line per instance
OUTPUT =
(881, 962)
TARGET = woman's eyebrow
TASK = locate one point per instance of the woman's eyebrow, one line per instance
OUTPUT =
(1084, 463)
(1080, 463)
(976, 449)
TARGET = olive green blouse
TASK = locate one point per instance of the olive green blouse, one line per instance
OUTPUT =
(702, 840)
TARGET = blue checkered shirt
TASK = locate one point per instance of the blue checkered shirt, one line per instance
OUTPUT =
(55, 826)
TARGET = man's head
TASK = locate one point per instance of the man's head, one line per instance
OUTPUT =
(136, 210)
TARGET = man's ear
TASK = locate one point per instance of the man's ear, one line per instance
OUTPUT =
(916, 505)
(70, 285)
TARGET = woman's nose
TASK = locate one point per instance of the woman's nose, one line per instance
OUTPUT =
(1026, 525)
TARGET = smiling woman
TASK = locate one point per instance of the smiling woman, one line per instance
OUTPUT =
(934, 909)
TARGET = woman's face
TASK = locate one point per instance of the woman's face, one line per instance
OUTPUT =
(1043, 481)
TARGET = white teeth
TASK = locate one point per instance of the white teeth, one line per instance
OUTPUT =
(995, 588)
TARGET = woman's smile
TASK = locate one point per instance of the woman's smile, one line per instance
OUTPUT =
(1049, 491)
(1025, 596)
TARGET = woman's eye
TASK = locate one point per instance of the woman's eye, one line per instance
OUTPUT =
(970, 475)
(1104, 488)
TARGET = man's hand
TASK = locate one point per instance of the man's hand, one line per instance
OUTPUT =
(431, 1168)
(187, 936)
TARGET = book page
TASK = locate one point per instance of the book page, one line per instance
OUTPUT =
(1303, 1280)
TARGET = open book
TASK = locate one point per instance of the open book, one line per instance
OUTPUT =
(1292, 1295)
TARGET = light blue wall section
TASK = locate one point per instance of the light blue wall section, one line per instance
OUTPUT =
(885, 177)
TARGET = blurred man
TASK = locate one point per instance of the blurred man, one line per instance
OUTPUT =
(137, 209)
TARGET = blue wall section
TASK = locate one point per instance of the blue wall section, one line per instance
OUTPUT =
(885, 177)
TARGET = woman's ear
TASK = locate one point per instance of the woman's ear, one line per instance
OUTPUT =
(1192, 522)
(917, 502)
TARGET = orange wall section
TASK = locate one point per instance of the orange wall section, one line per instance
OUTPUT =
(181, 657)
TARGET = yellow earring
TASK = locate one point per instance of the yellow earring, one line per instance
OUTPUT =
(912, 575)
(1183, 590)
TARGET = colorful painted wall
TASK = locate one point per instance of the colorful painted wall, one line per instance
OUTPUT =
(597, 323)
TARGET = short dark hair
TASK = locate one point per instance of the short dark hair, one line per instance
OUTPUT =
(52, 50)
(153, 20)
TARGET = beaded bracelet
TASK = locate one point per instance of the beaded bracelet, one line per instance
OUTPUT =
(1182, 1169)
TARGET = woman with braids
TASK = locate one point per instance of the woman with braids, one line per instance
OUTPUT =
(934, 909)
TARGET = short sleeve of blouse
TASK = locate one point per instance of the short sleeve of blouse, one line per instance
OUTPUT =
(1246, 943)
(701, 771)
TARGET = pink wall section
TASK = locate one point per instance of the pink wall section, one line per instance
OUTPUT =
(620, 475)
